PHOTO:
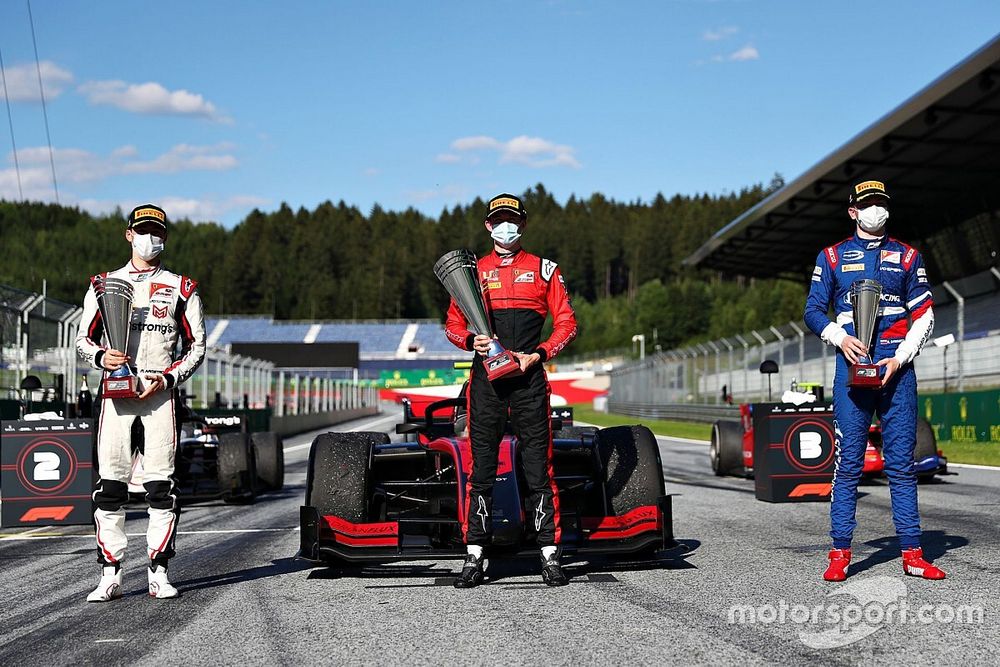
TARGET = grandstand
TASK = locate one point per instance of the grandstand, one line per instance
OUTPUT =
(383, 344)
(938, 154)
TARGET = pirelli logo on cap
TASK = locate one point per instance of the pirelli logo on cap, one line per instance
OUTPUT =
(149, 213)
(505, 201)
(869, 185)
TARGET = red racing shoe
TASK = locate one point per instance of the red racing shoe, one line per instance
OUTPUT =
(839, 560)
(915, 565)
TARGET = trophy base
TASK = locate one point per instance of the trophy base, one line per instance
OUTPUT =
(501, 365)
(119, 387)
(864, 376)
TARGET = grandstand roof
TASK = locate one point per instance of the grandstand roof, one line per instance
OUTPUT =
(939, 156)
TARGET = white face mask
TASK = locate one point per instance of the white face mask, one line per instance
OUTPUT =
(147, 246)
(506, 234)
(872, 219)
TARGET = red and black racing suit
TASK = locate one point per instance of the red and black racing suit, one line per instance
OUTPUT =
(520, 290)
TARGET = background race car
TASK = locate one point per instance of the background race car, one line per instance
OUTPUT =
(217, 456)
(731, 449)
(369, 499)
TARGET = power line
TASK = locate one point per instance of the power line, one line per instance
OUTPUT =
(41, 91)
(10, 123)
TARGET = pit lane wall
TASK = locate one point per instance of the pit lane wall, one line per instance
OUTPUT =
(292, 424)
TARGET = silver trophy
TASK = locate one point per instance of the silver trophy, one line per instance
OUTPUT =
(114, 300)
(458, 273)
(866, 297)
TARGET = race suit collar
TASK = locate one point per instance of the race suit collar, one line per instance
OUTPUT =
(132, 268)
(869, 244)
(507, 255)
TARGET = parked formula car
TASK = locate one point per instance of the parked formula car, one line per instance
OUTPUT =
(217, 457)
(371, 500)
(731, 449)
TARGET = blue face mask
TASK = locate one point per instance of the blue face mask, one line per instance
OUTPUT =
(506, 234)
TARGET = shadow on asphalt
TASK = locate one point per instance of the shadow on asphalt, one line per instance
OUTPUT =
(935, 543)
(277, 567)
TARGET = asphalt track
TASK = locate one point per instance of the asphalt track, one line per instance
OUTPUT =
(246, 599)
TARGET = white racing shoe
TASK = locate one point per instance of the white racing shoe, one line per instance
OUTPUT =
(159, 586)
(110, 586)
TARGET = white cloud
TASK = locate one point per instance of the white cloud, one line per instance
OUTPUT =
(150, 99)
(448, 158)
(371, 171)
(448, 193)
(720, 33)
(529, 151)
(22, 81)
(748, 52)
(184, 157)
(476, 143)
(205, 209)
(75, 165)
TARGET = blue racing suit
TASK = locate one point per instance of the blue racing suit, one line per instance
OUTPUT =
(905, 321)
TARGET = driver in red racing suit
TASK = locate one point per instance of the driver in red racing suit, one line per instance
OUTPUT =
(165, 308)
(520, 290)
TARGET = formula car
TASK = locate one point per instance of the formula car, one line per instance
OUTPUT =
(731, 449)
(216, 457)
(369, 499)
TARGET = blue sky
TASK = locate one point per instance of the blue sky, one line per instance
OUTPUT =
(214, 108)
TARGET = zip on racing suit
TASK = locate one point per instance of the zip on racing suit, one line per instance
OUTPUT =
(905, 321)
(520, 290)
(165, 307)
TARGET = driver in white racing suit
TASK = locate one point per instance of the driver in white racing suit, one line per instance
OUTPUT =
(165, 308)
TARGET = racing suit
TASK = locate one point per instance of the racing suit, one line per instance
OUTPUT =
(520, 290)
(165, 307)
(905, 321)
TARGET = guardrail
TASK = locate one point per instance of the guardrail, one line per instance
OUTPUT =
(677, 411)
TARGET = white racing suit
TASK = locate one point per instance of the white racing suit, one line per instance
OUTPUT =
(165, 307)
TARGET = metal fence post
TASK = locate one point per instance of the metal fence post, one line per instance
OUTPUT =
(802, 349)
(781, 357)
(763, 350)
(961, 332)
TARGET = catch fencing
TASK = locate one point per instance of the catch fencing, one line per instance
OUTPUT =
(38, 337)
(697, 374)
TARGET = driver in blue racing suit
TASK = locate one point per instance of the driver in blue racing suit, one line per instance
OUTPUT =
(905, 321)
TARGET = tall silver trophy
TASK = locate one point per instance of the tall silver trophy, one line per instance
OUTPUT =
(114, 300)
(458, 273)
(866, 296)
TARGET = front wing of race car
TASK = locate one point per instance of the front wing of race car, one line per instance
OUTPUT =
(325, 537)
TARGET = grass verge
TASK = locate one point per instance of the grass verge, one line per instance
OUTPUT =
(980, 453)
(585, 413)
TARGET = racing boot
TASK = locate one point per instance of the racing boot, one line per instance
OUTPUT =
(159, 586)
(552, 572)
(472, 572)
(839, 560)
(915, 565)
(110, 586)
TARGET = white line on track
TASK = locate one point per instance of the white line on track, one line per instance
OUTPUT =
(974, 466)
(15, 537)
(686, 441)
(359, 427)
(107, 641)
